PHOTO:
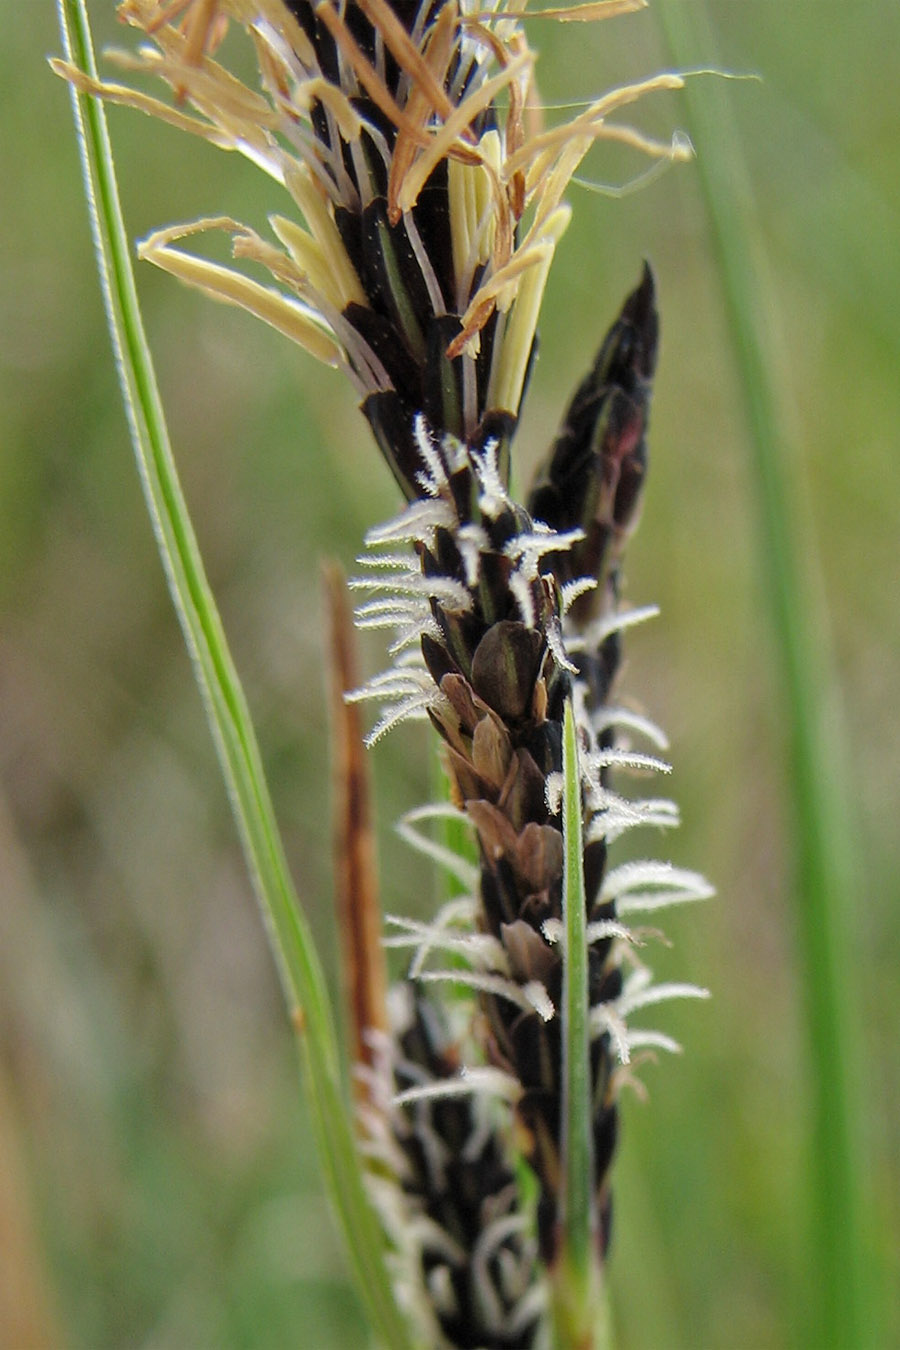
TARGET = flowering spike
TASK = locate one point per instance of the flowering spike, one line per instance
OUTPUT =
(596, 468)
(422, 205)
(432, 206)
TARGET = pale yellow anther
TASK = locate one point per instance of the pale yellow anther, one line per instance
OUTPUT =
(549, 142)
(506, 187)
(318, 217)
(281, 20)
(320, 279)
(473, 225)
(320, 90)
(443, 142)
(145, 103)
(590, 11)
(307, 254)
(511, 355)
(425, 98)
(233, 288)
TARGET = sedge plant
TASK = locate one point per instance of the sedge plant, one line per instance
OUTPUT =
(419, 198)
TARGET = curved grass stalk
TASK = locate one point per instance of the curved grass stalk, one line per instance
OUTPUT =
(844, 1305)
(299, 968)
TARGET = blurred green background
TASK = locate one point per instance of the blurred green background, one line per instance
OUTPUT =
(157, 1187)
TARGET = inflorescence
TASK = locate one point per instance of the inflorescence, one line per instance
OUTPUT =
(424, 202)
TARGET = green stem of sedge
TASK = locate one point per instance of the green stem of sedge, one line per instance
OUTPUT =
(301, 973)
(843, 1307)
(578, 1306)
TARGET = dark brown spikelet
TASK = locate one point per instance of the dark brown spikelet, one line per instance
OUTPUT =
(594, 475)
(517, 614)
(478, 1258)
(494, 649)
(595, 472)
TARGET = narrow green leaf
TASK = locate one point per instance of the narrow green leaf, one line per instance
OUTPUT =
(579, 1313)
(301, 973)
(578, 1209)
(826, 884)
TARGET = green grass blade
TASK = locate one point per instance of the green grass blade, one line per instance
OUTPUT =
(825, 869)
(226, 707)
(578, 1305)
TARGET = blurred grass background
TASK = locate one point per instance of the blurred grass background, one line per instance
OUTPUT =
(157, 1186)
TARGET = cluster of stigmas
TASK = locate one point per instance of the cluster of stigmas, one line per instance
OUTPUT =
(426, 204)
(443, 1178)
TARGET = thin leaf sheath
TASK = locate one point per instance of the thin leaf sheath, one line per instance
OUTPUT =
(355, 867)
